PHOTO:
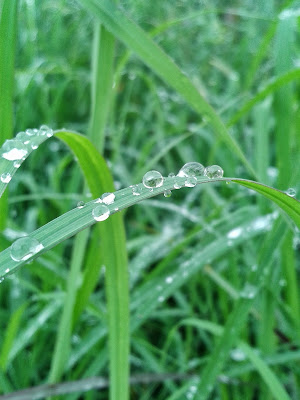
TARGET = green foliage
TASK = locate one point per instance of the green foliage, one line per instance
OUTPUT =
(205, 284)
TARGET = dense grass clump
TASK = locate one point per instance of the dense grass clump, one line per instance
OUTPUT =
(192, 293)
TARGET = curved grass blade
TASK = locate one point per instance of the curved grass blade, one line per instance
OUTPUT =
(152, 55)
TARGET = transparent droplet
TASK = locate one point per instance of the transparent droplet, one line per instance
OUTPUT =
(169, 279)
(30, 132)
(24, 248)
(100, 213)
(237, 355)
(6, 177)
(136, 190)
(17, 164)
(235, 233)
(214, 171)
(80, 204)
(191, 181)
(35, 142)
(108, 198)
(249, 291)
(23, 137)
(161, 299)
(45, 131)
(13, 150)
(191, 169)
(291, 192)
(171, 175)
(177, 183)
(167, 193)
(153, 179)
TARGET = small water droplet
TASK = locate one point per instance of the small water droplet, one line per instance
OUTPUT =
(291, 192)
(227, 182)
(237, 355)
(191, 169)
(80, 204)
(108, 198)
(136, 190)
(235, 233)
(23, 137)
(5, 177)
(169, 279)
(153, 179)
(191, 181)
(171, 175)
(24, 248)
(35, 142)
(30, 132)
(177, 183)
(13, 150)
(167, 193)
(17, 164)
(161, 299)
(214, 171)
(7, 270)
(249, 291)
(100, 213)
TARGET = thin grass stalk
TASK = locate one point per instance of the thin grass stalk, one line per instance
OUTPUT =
(8, 38)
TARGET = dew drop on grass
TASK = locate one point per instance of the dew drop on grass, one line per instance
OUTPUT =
(6, 177)
(169, 279)
(161, 299)
(153, 179)
(34, 143)
(249, 291)
(13, 150)
(17, 164)
(136, 190)
(23, 137)
(100, 213)
(108, 198)
(171, 175)
(214, 171)
(191, 169)
(167, 193)
(24, 248)
(191, 182)
(80, 204)
(291, 192)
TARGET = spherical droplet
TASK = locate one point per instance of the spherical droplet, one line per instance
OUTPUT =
(5, 177)
(24, 248)
(17, 164)
(191, 169)
(191, 181)
(249, 291)
(167, 193)
(214, 171)
(23, 137)
(291, 192)
(153, 179)
(100, 213)
(13, 150)
(108, 198)
(237, 355)
(80, 204)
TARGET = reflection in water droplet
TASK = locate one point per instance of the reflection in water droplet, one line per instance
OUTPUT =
(167, 193)
(5, 177)
(13, 150)
(291, 192)
(100, 213)
(153, 179)
(24, 248)
(80, 204)
(191, 169)
(214, 171)
(108, 198)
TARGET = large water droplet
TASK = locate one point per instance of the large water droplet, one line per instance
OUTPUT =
(6, 177)
(108, 198)
(24, 248)
(191, 169)
(13, 150)
(153, 179)
(100, 213)
(214, 171)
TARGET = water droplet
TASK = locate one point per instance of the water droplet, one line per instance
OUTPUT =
(237, 355)
(13, 150)
(161, 299)
(17, 164)
(254, 267)
(7, 270)
(234, 233)
(249, 291)
(214, 171)
(136, 190)
(30, 132)
(100, 213)
(191, 169)
(24, 248)
(153, 179)
(171, 175)
(35, 142)
(169, 279)
(80, 204)
(98, 200)
(6, 177)
(108, 198)
(191, 181)
(167, 193)
(291, 192)
(23, 137)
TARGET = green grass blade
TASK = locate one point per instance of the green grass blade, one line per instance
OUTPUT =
(8, 34)
(152, 55)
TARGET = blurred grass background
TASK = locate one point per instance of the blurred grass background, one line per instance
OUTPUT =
(213, 235)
